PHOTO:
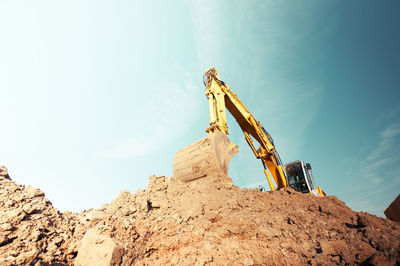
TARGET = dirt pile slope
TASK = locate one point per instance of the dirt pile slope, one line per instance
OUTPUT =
(204, 221)
(31, 230)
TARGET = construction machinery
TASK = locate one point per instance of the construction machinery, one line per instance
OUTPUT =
(300, 178)
(211, 155)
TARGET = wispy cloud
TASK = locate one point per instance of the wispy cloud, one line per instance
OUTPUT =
(173, 108)
(387, 139)
(382, 156)
(379, 173)
(209, 34)
(139, 144)
(290, 113)
(169, 112)
(266, 88)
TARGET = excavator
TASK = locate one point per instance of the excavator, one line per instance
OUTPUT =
(211, 155)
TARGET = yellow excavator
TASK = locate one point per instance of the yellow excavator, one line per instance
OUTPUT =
(211, 155)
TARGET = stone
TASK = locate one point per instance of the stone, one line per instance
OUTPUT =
(97, 249)
(15, 215)
(4, 172)
(333, 247)
(6, 227)
(33, 192)
(26, 258)
(248, 262)
(29, 208)
(3, 239)
(94, 216)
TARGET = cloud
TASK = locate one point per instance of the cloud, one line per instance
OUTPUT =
(379, 173)
(138, 145)
(391, 132)
(285, 103)
(169, 112)
(387, 139)
(290, 112)
(384, 154)
(206, 16)
(175, 106)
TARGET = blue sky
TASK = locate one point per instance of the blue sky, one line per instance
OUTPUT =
(98, 95)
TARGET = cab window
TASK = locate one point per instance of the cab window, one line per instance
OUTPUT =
(309, 179)
(296, 179)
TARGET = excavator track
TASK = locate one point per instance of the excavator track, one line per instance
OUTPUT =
(208, 156)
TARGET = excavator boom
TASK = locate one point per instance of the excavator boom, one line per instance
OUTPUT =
(212, 154)
(220, 97)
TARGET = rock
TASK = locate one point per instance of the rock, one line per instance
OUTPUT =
(333, 248)
(33, 192)
(377, 259)
(32, 208)
(52, 248)
(93, 216)
(4, 172)
(3, 239)
(5, 227)
(97, 249)
(158, 203)
(248, 262)
(15, 215)
(26, 258)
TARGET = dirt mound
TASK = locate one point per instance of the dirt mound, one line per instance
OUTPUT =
(31, 230)
(205, 221)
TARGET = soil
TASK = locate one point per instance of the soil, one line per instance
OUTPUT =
(204, 221)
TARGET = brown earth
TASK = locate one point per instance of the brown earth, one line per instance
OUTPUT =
(205, 221)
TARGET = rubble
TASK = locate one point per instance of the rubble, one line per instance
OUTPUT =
(204, 221)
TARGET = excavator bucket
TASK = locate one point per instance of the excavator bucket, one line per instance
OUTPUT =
(205, 157)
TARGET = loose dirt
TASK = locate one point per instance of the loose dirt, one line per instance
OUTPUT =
(205, 221)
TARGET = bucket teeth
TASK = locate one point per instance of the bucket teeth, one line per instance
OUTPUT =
(205, 157)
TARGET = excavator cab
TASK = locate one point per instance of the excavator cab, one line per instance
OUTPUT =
(300, 178)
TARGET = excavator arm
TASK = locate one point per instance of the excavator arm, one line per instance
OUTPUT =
(220, 98)
(209, 157)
